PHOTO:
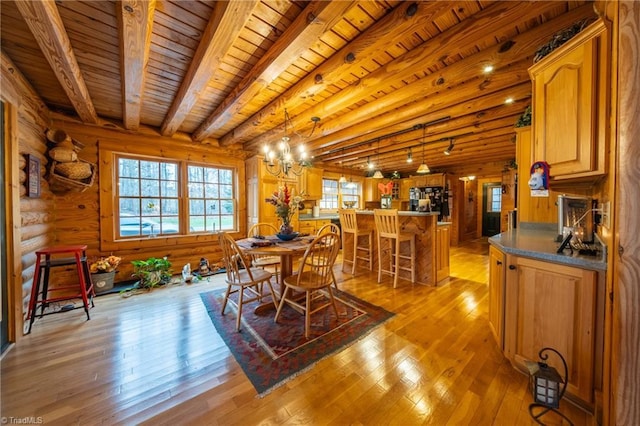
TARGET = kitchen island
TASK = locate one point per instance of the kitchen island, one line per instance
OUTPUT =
(424, 225)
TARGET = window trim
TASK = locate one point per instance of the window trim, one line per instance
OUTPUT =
(167, 151)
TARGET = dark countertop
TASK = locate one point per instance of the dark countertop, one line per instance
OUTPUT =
(369, 212)
(321, 217)
(538, 241)
(402, 213)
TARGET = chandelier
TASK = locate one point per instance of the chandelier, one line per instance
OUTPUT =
(280, 161)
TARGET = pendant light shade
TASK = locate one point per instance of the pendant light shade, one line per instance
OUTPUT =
(378, 175)
(423, 167)
(342, 179)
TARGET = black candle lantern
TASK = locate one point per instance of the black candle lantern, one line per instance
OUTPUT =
(547, 386)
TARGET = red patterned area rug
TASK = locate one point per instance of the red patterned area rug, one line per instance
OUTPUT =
(271, 353)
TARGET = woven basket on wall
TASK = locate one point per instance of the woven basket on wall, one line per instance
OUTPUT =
(77, 170)
(61, 184)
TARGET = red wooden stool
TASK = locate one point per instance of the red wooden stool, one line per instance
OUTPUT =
(44, 261)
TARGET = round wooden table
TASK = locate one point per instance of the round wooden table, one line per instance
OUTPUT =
(287, 250)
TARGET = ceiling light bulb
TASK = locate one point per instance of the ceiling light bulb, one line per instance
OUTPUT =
(472, 177)
(409, 157)
(508, 101)
(487, 69)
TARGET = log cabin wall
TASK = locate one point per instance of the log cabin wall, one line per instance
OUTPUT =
(78, 214)
(33, 220)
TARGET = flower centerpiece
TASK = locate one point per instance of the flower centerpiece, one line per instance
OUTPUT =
(286, 206)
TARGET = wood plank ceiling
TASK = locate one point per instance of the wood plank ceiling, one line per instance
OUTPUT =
(383, 76)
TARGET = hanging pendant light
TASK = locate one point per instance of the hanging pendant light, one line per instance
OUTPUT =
(342, 178)
(378, 173)
(423, 169)
(409, 156)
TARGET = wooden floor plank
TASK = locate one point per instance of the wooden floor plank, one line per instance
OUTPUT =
(155, 358)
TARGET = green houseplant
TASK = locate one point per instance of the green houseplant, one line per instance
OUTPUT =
(152, 272)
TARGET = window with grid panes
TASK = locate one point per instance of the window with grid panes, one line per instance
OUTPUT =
(154, 198)
(495, 201)
(329, 194)
(350, 192)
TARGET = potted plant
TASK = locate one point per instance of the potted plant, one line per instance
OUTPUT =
(152, 272)
(103, 272)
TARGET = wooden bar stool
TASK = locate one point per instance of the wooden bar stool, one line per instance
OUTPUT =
(45, 260)
(388, 229)
(349, 225)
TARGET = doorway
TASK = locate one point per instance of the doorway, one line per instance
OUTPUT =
(491, 207)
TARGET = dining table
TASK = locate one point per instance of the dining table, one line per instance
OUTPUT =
(271, 245)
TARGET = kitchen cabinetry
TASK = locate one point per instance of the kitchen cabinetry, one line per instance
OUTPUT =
(433, 179)
(311, 183)
(531, 209)
(496, 294)
(312, 226)
(443, 238)
(405, 185)
(548, 304)
(569, 110)
(260, 185)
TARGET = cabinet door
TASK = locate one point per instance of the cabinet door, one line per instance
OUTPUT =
(555, 308)
(405, 185)
(568, 104)
(496, 294)
(312, 183)
(443, 238)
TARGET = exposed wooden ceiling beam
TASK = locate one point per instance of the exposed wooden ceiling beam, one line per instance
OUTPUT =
(387, 31)
(135, 20)
(317, 18)
(226, 22)
(46, 25)
(499, 16)
(434, 87)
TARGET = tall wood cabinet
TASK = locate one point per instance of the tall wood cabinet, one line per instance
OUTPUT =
(261, 185)
(570, 105)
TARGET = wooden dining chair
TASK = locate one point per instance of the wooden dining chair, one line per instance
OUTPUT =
(241, 279)
(388, 230)
(264, 261)
(313, 280)
(327, 229)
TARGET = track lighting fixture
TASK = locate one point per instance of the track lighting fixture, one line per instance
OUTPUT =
(448, 150)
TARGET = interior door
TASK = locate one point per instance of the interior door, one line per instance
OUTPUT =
(491, 206)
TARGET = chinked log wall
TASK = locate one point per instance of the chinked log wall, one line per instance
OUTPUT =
(78, 214)
(33, 224)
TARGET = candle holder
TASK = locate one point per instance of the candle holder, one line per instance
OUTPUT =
(547, 386)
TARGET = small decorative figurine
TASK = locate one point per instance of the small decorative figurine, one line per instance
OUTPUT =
(186, 273)
(539, 181)
(204, 266)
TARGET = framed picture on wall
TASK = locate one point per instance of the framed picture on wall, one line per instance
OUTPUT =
(33, 176)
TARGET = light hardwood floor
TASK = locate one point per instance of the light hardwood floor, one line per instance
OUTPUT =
(156, 358)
